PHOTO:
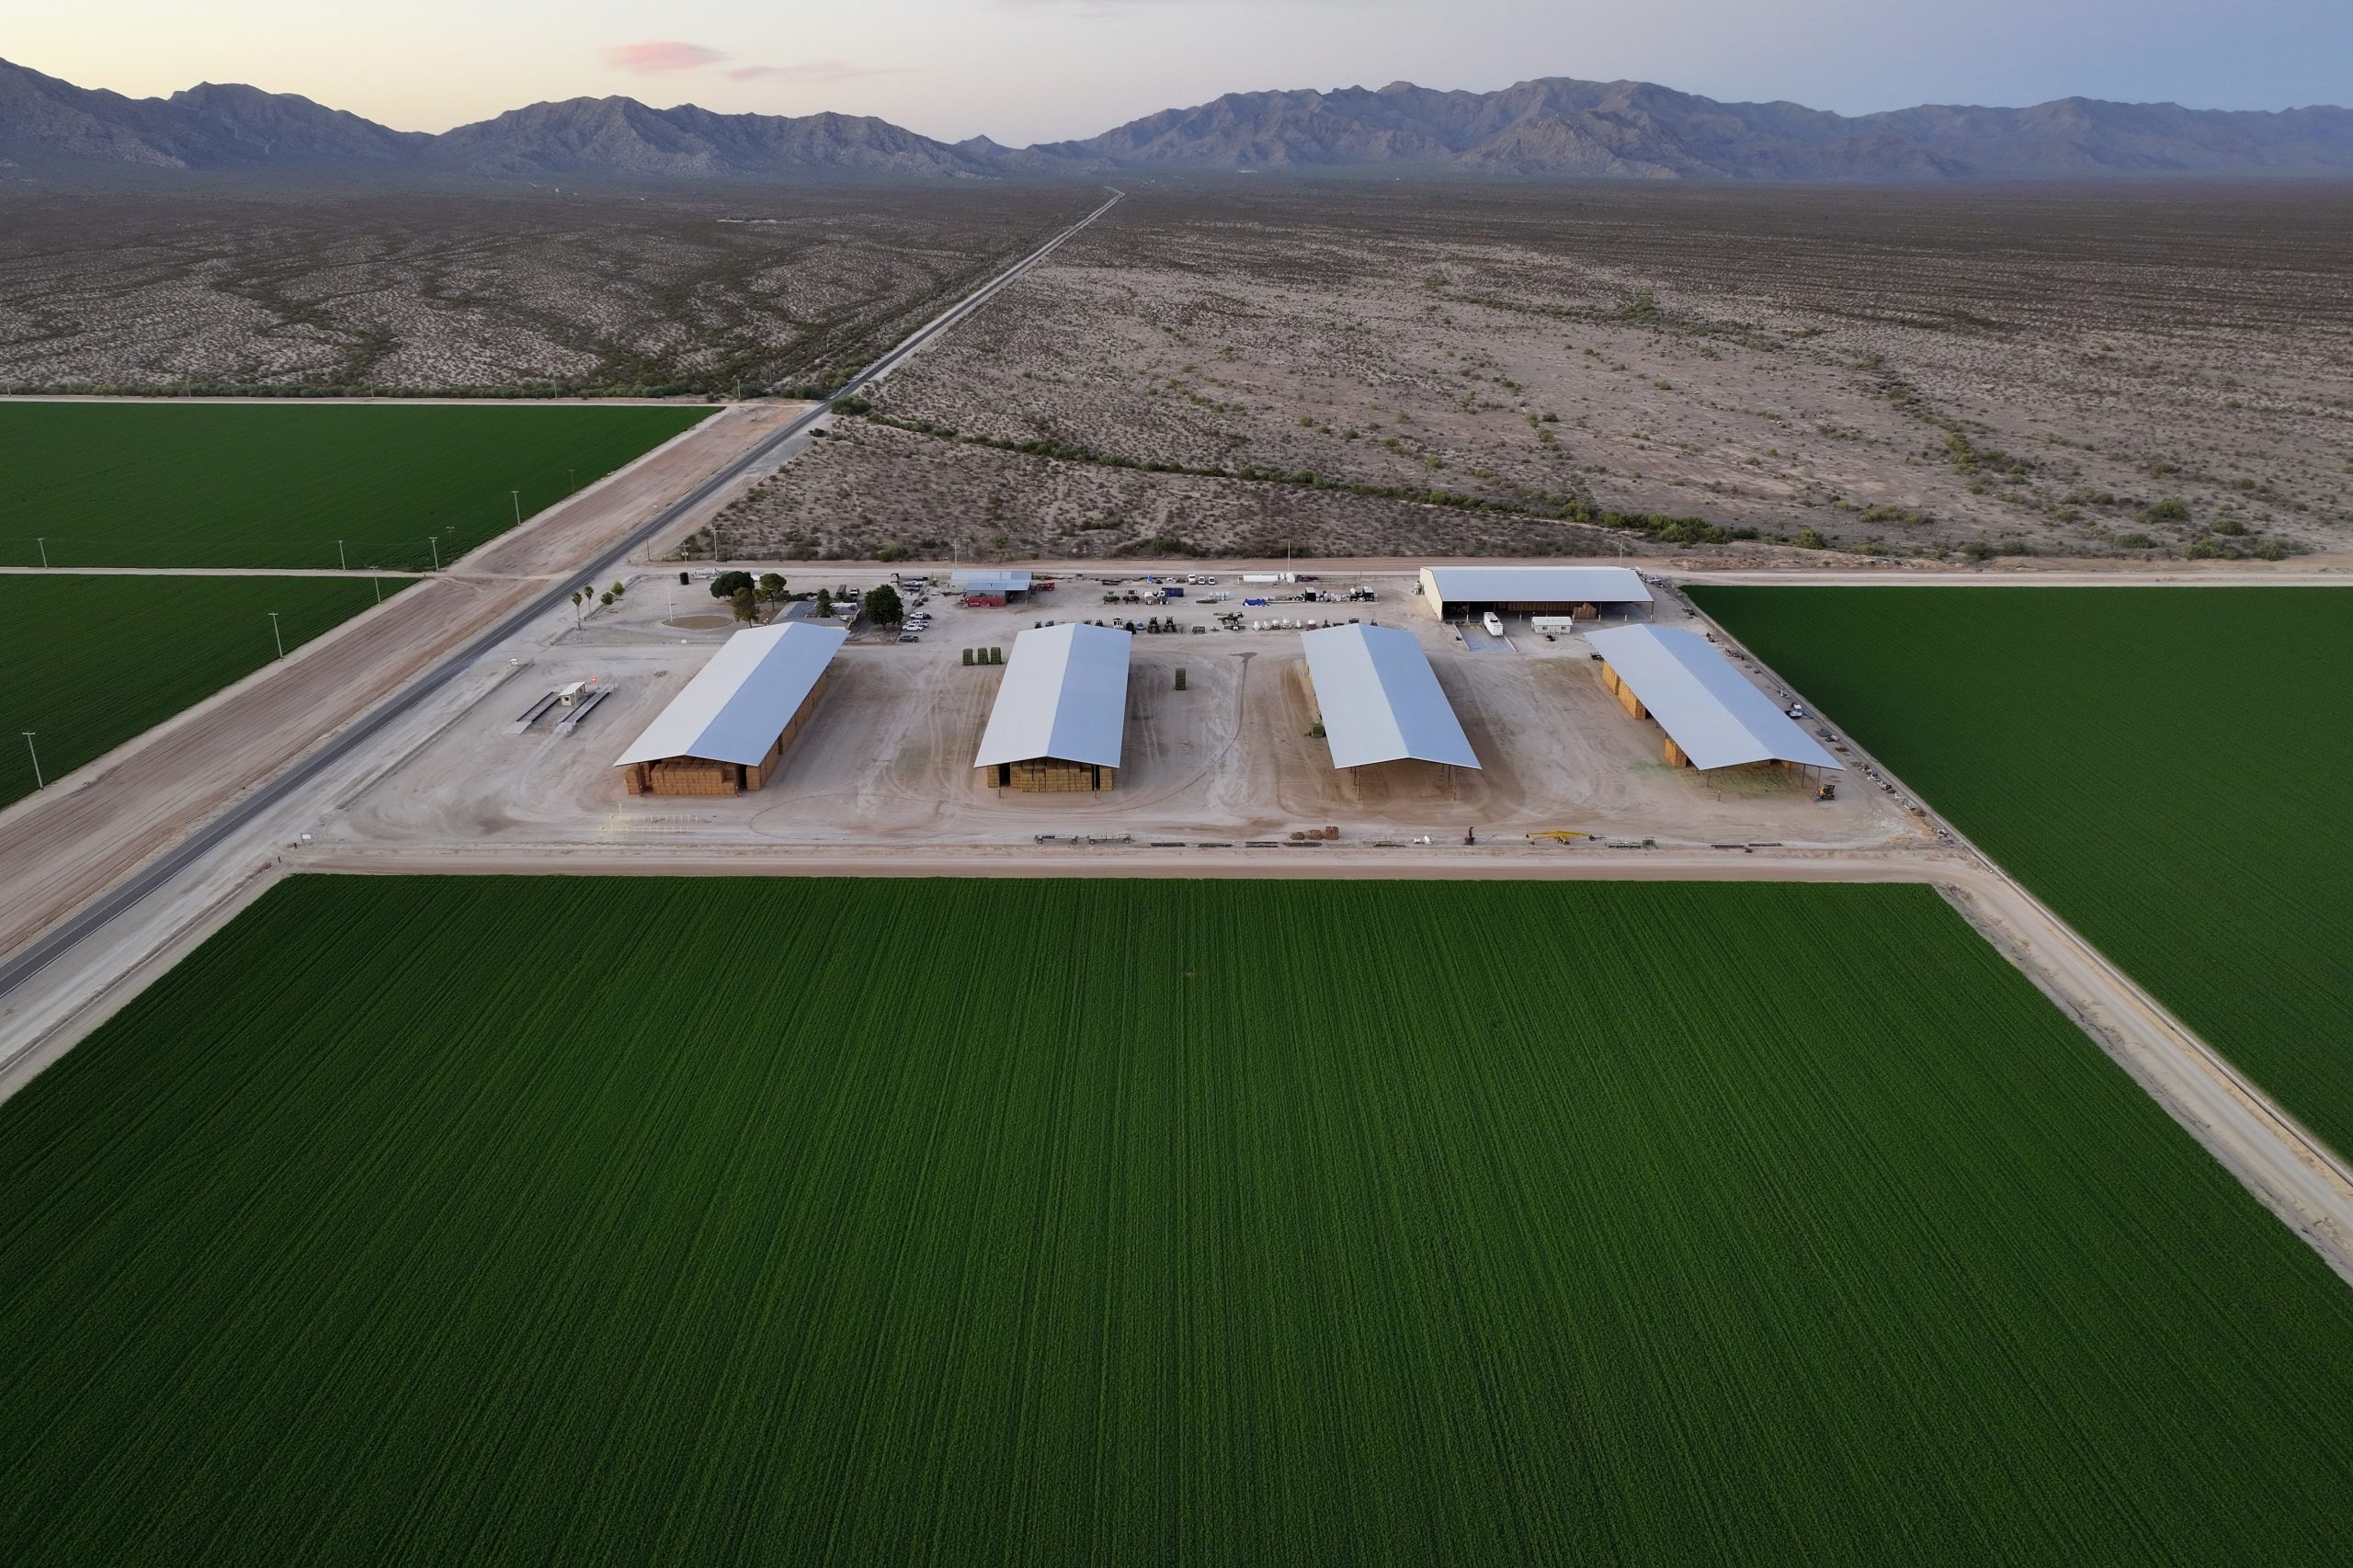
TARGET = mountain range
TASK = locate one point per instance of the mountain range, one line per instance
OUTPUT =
(1548, 126)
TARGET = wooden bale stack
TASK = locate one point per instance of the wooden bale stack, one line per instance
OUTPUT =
(1052, 776)
(1623, 693)
(693, 776)
(1675, 756)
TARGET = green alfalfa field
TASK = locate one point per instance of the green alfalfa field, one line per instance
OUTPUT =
(2170, 768)
(897, 1221)
(279, 484)
(88, 663)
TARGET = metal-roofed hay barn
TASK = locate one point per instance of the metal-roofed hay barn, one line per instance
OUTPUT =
(991, 587)
(1580, 592)
(727, 730)
(1713, 717)
(1061, 712)
(1380, 703)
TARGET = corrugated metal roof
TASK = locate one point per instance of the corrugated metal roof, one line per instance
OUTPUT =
(1065, 695)
(1008, 582)
(1539, 584)
(739, 702)
(1381, 699)
(1701, 701)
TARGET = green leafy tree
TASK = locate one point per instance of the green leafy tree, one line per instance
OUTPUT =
(617, 589)
(746, 605)
(824, 606)
(771, 586)
(882, 606)
(727, 584)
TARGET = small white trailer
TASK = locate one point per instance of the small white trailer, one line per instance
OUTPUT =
(1553, 622)
(1493, 623)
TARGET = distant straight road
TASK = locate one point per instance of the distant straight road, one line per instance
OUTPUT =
(54, 932)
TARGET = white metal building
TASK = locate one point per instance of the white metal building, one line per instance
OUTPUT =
(727, 730)
(1379, 700)
(1531, 590)
(1011, 583)
(1712, 715)
(1061, 712)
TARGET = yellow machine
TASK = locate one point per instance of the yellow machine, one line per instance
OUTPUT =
(1558, 835)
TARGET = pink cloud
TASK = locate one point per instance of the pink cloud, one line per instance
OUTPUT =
(651, 59)
(818, 71)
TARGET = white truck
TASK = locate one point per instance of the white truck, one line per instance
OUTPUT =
(1270, 576)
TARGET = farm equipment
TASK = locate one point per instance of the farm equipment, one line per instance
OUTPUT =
(1558, 835)
(1829, 791)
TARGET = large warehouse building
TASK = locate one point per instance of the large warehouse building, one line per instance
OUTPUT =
(727, 730)
(1380, 701)
(1060, 712)
(1713, 716)
(1581, 592)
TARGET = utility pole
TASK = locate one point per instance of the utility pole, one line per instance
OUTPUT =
(273, 635)
(44, 553)
(38, 782)
(516, 497)
(376, 583)
(436, 545)
(342, 562)
(714, 541)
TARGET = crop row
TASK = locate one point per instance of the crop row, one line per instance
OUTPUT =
(892, 1221)
(2171, 768)
(295, 485)
(91, 661)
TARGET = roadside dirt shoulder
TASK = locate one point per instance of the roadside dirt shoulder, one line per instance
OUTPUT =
(68, 845)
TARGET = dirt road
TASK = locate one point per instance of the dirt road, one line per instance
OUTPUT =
(66, 844)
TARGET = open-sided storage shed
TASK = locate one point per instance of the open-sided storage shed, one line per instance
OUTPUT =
(1712, 715)
(1379, 700)
(726, 730)
(1583, 592)
(1060, 712)
(992, 586)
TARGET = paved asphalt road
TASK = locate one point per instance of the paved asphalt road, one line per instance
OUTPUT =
(61, 938)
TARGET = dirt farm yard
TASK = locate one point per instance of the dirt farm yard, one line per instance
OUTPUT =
(887, 756)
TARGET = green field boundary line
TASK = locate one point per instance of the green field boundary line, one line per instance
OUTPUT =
(2307, 1147)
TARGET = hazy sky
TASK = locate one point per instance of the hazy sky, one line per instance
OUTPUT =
(1033, 70)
